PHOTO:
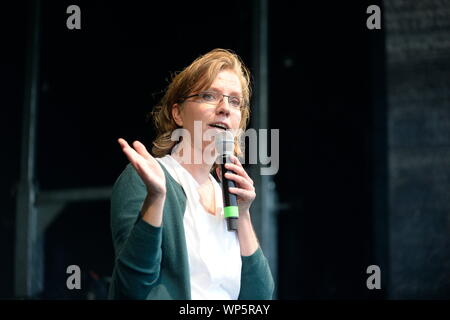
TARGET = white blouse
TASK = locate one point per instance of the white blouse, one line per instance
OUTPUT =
(213, 251)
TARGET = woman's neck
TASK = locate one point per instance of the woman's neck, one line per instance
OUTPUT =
(199, 171)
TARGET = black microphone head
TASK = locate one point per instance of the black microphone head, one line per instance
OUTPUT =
(224, 142)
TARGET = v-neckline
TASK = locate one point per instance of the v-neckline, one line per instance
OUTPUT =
(213, 206)
(210, 178)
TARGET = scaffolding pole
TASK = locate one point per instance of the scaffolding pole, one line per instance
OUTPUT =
(265, 204)
(28, 250)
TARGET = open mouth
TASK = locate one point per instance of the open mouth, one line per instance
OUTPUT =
(219, 125)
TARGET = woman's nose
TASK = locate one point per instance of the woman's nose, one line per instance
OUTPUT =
(223, 106)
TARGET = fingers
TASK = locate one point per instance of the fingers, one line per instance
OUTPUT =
(239, 170)
(129, 152)
(244, 184)
(123, 143)
(241, 181)
(140, 148)
(243, 194)
(236, 161)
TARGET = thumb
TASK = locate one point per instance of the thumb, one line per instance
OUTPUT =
(219, 173)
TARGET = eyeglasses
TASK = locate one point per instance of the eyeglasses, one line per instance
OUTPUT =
(214, 98)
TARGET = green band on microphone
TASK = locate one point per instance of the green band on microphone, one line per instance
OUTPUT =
(231, 212)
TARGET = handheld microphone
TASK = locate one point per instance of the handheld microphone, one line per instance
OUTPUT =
(224, 142)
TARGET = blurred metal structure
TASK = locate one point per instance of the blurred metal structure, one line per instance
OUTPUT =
(265, 205)
(418, 144)
(36, 210)
(28, 264)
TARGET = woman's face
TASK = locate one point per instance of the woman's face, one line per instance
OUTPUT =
(227, 83)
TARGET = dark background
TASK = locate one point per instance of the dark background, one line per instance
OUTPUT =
(327, 95)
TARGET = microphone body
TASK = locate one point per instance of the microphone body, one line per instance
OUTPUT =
(230, 206)
(225, 145)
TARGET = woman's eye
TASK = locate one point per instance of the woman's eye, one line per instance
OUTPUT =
(208, 96)
(235, 102)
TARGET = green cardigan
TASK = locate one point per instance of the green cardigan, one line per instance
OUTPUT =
(152, 262)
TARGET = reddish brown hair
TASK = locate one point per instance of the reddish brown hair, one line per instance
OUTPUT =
(199, 75)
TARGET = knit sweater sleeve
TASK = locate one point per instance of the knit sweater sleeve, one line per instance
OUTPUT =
(256, 278)
(137, 244)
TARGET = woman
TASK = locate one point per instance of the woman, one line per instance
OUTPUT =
(170, 237)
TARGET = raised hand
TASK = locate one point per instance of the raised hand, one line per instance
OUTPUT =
(147, 168)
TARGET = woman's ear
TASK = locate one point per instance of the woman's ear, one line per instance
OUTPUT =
(176, 114)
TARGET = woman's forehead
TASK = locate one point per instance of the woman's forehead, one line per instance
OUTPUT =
(227, 80)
